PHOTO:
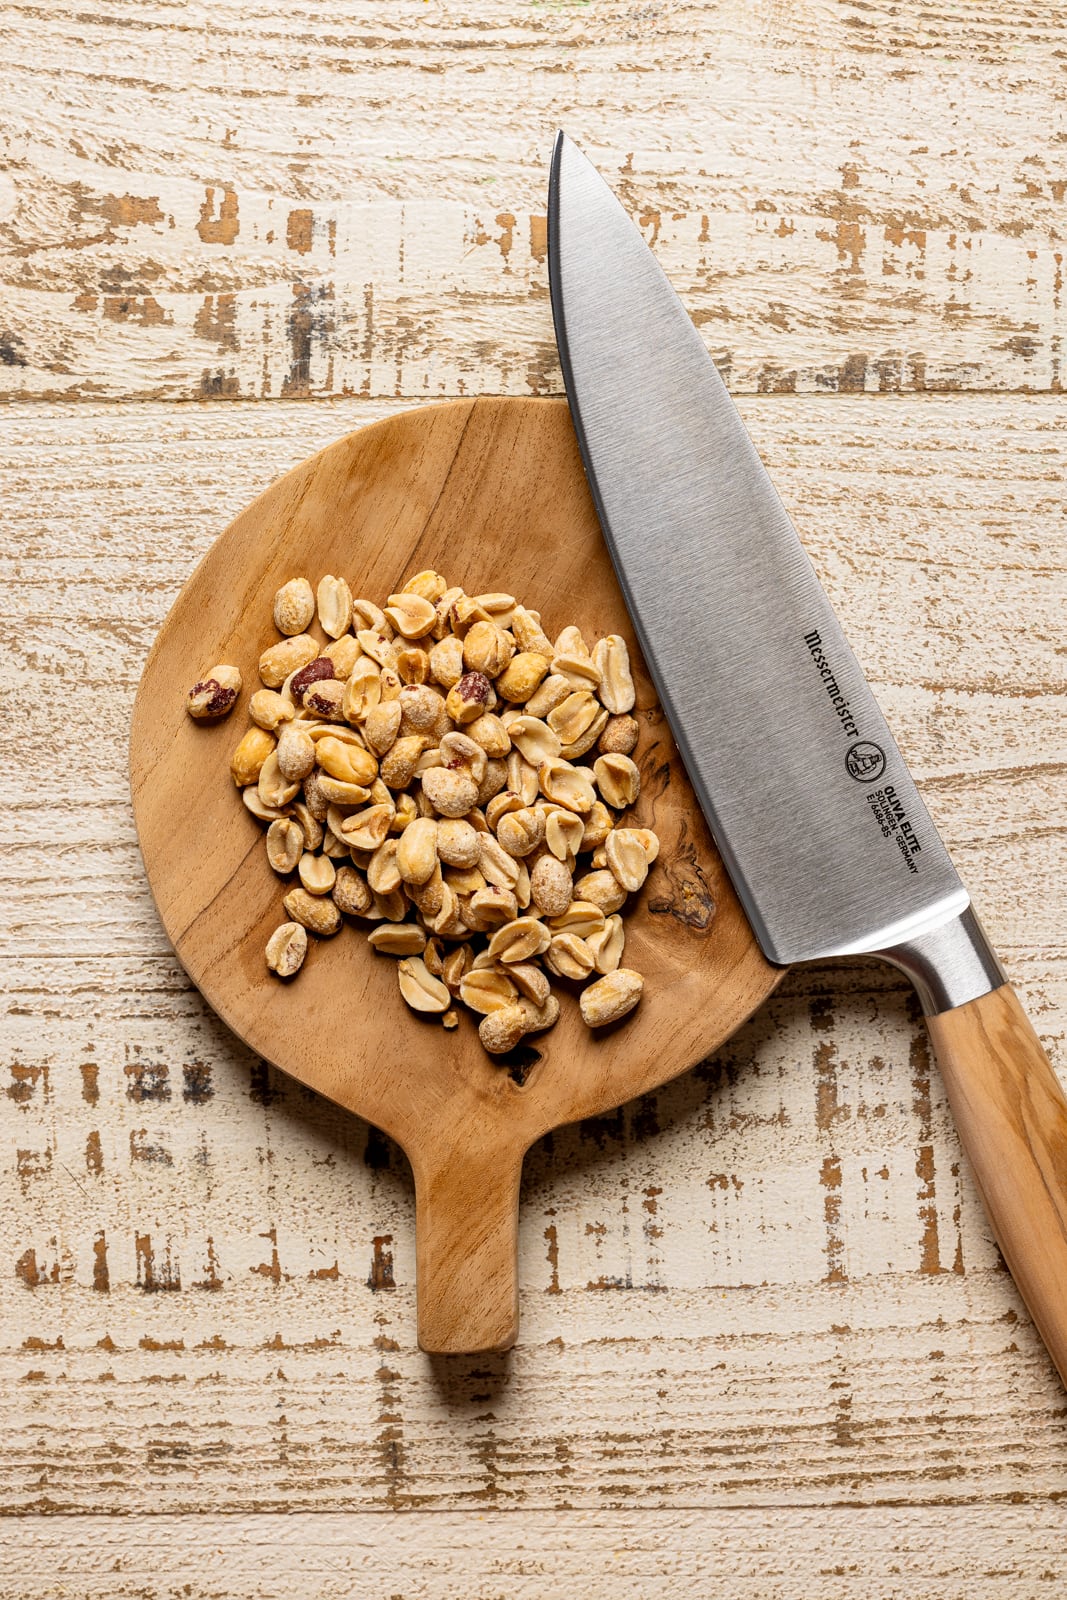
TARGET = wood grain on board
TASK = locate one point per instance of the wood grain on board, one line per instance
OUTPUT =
(768, 1346)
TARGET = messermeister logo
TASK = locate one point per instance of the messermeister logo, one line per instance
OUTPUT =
(813, 641)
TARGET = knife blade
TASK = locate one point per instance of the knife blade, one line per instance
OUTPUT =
(806, 793)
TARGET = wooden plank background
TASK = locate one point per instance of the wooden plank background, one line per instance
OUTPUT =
(768, 1348)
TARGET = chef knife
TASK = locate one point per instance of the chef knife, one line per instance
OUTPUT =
(811, 805)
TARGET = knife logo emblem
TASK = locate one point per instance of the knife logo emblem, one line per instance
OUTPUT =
(865, 761)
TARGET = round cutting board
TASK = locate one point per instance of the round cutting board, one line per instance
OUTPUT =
(492, 494)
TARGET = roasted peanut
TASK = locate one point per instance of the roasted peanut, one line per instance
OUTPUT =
(491, 906)
(296, 753)
(618, 736)
(529, 635)
(247, 760)
(551, 886)
(286, 949)
(500, 607)
(294, 606)
(215, 696)
(317, 873)
(519, 940)
(326, 699)
(398, 939)
(274, 789)
(573, 716)
(521, 676)
(334, 599)
(446, 661)
(457, 843)
(601, 888)
(413, 665)
(521, 778)
(351, 892)
(463, 613)
(383, 874)
(336, 792)
(520, 832)
(381, 726)
(464, 881)
(618, 780)
(449, 921)
(406, 811)
(501, 1030)
(626, 858)
(530, 981)
(553, 691)
(585, 741)
(421, 990)
(392, 906)
(401, 759)
(566, 786)
(496, 776)
(309, 825)
(365, 830)
(490, 733)
(496, 865)
(472, 695)
(422, 709)
(563, 834)
(281, 660)
(315, 797)
(452, 794)
(251, 801)
(487, 989)
(285, 844)
(429, 584)
(580, 671)
(610, 997)
(607, 944)
(534, 740)
(487, 649)
(363, 691)
(316, 670)
(581, 917)
(412, 615)
(268, 709)
(569, 957)
(598, 824)
(416, 851)
(500, 805)
(313, 911)
(455, 965)
(616, 687)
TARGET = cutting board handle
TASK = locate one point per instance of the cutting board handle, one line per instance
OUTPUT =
(1011, 1114)
(466, 1248)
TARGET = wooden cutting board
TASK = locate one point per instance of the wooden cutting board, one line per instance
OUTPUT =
(492, 494)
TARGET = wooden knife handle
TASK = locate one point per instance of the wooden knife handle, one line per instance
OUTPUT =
(466, 1249)
(1012, 1118)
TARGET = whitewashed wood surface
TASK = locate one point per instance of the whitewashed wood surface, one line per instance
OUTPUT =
(767, 1346)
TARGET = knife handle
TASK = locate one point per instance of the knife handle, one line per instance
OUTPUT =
(1011, 1114)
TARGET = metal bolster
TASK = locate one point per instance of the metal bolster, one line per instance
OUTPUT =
(949, 965)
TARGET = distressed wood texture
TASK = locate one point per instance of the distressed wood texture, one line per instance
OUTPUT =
(254, 200)
(768, 1286)
(768, 1348)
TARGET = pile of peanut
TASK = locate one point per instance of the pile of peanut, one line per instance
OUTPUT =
(438, 770)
